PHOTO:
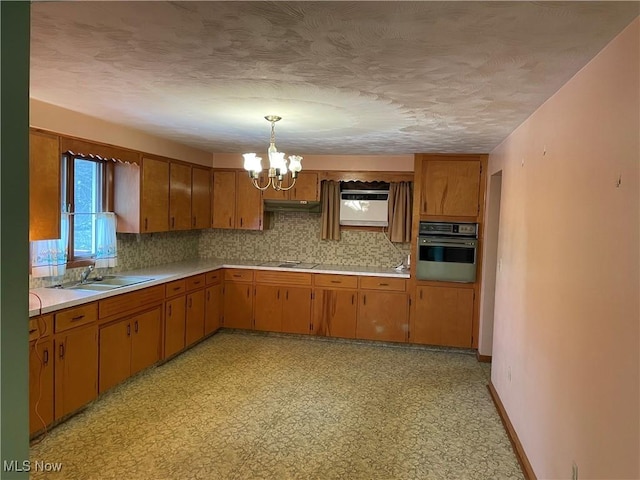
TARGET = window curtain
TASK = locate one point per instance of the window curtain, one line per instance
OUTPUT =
(330, 219)
(106, 242)
(49, 257)
(400, 200)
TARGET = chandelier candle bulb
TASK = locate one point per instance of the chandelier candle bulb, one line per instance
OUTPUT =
(277, 163)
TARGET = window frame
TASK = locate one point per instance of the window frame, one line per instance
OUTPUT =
(67, 188)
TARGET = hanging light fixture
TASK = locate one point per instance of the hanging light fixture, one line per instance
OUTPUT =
(277, 163)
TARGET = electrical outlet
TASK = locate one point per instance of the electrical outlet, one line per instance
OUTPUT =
(574, 472)
(509, 374)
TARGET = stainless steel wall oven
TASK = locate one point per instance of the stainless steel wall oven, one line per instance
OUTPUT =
(447, 251)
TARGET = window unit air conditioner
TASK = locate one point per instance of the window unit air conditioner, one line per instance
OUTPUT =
(364, 208)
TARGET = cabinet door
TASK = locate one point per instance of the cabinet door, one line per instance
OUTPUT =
(212, 310)
(180, 197)
(443, 316)
(44, 186)
(115, 354)
(76, 369)
(224, 200)
(306, 187)
(248, 205)
(238, 305)
(335, 313)
(450, 188)
(40, 385)
(146, 347)
(155, 196)
(296, 310)
(174, 328)
(200, 198)
(268, 301)
(382, 316)
(195, 317)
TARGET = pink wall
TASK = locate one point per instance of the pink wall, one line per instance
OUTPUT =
(566, 342)
(58, 119)
(369, 163)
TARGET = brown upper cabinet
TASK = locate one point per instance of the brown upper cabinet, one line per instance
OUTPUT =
(224, 199)
(44, 186)
(179, 197)
(236, 203)
(305, 188)
(200, 197)
(450, 185)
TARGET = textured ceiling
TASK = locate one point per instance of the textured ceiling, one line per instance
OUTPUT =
(347, 77)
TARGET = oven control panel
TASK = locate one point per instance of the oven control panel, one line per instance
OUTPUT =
(449, 229)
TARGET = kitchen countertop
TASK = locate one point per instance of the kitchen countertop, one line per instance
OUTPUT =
(56, 299)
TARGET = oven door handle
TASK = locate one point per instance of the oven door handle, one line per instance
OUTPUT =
(440, 242)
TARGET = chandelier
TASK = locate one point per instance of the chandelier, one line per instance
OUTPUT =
(277, 163)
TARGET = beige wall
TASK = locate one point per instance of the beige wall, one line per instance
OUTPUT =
(566, 349)
(58, 119)
(369, 163)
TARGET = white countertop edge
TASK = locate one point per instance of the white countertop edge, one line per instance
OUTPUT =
(58, 299)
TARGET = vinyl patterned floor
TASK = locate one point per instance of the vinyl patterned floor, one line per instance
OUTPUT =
(243, 406)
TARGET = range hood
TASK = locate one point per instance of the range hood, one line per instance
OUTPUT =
(292, 206)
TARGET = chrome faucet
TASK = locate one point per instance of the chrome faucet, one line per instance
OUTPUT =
(85, 274)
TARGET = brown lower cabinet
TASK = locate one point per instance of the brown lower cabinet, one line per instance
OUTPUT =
(335, 313)
(382, 316)
(443, 316)
(238, 305)
(174, 326)
(40, 384)
(128, 346)
(76, 369)
(296, 310)
(194, 329)
(212, 310)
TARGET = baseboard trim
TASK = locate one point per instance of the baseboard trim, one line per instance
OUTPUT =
(527, 470)
(483, 358)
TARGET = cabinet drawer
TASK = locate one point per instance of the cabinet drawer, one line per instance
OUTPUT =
(383, 283)
(238, 275)
(213, 277)
(175, 288)
(40, 326)
(129, 301)
(283, 278)
(335, 281)
(74, 317)
(195, 282)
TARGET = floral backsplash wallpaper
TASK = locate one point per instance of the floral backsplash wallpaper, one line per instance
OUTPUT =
(292, 236)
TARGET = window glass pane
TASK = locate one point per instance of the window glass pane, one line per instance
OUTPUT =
(86, 195)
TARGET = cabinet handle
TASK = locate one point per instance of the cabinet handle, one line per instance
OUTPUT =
(278, 294)
(61, 350)
(353, 297)
(286, 297)
(383, 284)
(208, 295)
(190, 302)
(364, 299)
(336, 281)
(79, 317)
(169, 309)
(175, 289)
(420, 294)
(135, 326)
(173, 222)
(146, 223)
(236, 275)
(229, 221)
(248, 291)
(194, 221)
(45, 356)
(197, 282)
(128, 329)
(240, 221)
